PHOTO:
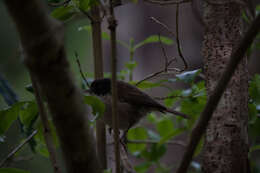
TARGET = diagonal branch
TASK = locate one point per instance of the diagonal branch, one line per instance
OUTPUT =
(213, 100)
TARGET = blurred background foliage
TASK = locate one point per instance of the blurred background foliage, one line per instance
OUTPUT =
(138, 56)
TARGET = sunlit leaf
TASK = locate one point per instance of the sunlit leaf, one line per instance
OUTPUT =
(63, 13)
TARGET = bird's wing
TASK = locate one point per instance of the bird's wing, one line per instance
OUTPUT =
(135, 96)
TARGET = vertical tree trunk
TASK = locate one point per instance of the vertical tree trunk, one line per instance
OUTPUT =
(226, 140)
(98, 61)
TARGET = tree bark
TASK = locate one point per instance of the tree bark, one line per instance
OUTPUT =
(44, 55)
(226, 140)
(99, 73)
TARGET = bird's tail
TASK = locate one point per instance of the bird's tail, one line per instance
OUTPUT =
(176, 113)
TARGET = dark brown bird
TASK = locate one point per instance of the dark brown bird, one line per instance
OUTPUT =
(133, 104)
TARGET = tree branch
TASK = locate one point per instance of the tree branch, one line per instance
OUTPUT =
(112, 27)
(16, 149)
(45, 57)
(213, 100)
(46, 127)
(98, 68)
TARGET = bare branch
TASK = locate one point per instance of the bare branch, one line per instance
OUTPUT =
(213, 100)
(178, 40)
(112, 27)
(80, 69)
(181, 143)
(46, 127)
(16, 149)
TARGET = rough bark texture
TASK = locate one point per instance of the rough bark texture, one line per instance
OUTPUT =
(42, 40)
(226, 141)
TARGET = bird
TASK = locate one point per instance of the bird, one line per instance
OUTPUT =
(132, 103)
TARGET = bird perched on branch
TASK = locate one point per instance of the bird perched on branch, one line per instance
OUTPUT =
(132, 103)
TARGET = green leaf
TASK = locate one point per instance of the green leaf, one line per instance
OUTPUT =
(98, 107)
(28, 113)
(107, 170)
(169, 136)
(152, 118)
(41, 147)
(254, 89)
(8, 116)
(143, 167)
(63, 13)
(254, 148)
(173, 97)
(155, 153)
(165, 127)
(131, 65)
(137, 133)
(187, 77)
(153, 39)
(29, 88)
(199, 147)
(12, 170)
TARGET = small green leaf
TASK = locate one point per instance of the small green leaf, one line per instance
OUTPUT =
(137, 133)
(152, 118)
(199, 147)
(155, 153)
(12, 170)
(153, 39)
(8, 116)
(28, 113)
(254, 148)
(173, 97)
(169, 136)
(107, 170)
(41, 147)
(254, 89)
(165, 127)
(131, 65)
(98, 107)
(143, 167)
(63, 13)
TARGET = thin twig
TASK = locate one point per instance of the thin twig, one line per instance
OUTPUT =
(178, 40)
(155, 142)
(170, 2)
(16, 149)
(213, 100)
(46, 127)
(66, 2)
(173, 35)
(112, 27)
(90, 17)
(164, 26)
(80, 69)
